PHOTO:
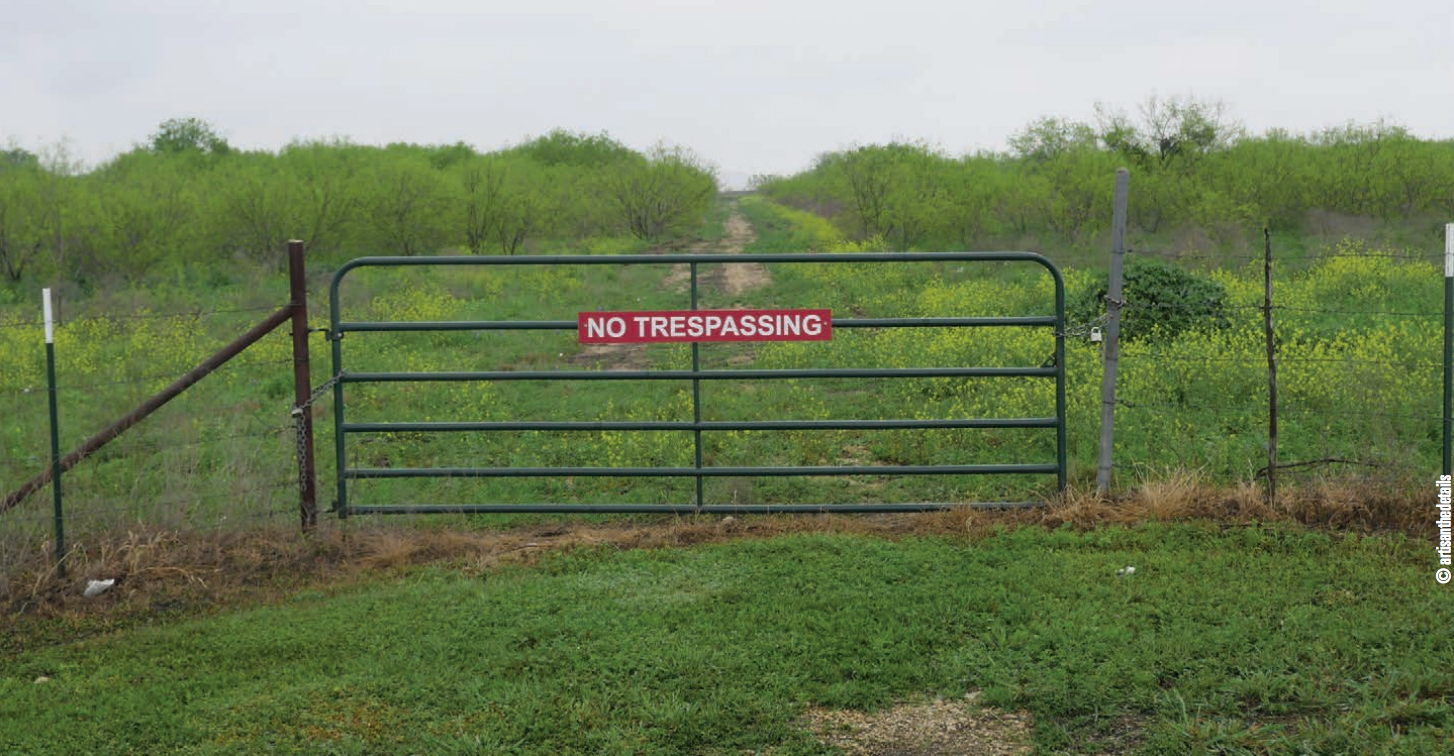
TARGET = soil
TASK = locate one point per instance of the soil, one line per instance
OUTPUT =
(610, 357)
(736, 278)
(936, 728)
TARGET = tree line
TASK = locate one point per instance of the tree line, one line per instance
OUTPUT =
(186, 196)
(1192, 167)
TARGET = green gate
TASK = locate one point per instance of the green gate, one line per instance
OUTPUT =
(1053, 369)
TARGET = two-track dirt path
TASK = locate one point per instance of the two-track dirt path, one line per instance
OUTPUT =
(736, 278)
(718, 282)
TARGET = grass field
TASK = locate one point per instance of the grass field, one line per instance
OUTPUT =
(1238, 632)
(1248, 640)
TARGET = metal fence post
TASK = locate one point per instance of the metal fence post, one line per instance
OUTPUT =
(302, 389)
(1448, 346)
(55, 434)
(1113, 330)
(1267, 326)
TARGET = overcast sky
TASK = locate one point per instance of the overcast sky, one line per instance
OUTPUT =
(753, 86)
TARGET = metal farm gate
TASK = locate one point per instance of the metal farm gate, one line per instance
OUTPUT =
(1052, 370)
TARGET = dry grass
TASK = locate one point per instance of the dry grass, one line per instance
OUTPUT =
(1332, 504)
(186, 572)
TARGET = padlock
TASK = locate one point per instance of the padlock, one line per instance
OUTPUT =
(1096, 336)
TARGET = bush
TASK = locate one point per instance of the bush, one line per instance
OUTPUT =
(1162, 301)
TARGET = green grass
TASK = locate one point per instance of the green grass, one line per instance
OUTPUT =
(1254, 640)
(782, 229)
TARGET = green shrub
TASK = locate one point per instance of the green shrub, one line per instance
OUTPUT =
(1162, 300)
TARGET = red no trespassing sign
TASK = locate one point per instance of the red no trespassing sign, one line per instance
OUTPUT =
(704, 325)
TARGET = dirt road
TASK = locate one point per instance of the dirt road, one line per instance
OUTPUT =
(717, 282)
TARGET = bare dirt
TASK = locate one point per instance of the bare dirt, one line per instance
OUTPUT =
(732, 279)
(610, 357)
(935, 728)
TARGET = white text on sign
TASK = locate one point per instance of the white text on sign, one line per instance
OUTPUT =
(704, 325)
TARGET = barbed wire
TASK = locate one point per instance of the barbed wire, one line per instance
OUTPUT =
(190, 314)
(181, 314)
(1259, 410)
(1389, 464)
(79, 502)
(1200, 306)
(1285, 360)
(80, 508)
(81, 511)
(145, 443)
(63, 385)
(1291, 257)
(1381, 313)
(169, 376)
(152, 445)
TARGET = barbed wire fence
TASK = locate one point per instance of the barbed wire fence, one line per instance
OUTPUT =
(1357, 358)
(219, 456)
(1358, 369)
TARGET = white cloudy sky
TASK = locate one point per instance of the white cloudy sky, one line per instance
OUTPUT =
(752, 85)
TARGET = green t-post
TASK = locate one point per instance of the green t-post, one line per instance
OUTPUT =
(1448, 344)
(55, 434)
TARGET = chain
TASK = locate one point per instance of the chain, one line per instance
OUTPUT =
(317, 394)
(1083, 330)
(300, 413)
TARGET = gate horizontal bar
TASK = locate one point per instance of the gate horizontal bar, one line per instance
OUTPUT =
(363, 326)
(423, 509)
(686, 375)
(457, 325)
(709, 425)
(746, 257)
(1015, 320)
(374, 473)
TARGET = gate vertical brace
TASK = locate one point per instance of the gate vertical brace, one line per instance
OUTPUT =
(1113, 332)
(697, 393)
(340, 466)
(1060, 463)
(302, 390)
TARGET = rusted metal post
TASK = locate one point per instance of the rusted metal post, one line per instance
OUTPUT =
(302, 389)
